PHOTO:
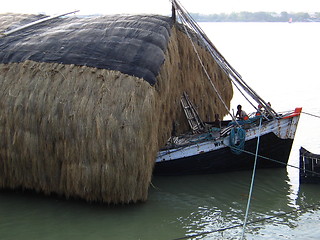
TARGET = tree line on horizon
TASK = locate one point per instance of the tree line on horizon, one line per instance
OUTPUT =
(257, 17)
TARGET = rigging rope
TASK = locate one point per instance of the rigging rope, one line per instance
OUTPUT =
(217, 56)
(202, 65)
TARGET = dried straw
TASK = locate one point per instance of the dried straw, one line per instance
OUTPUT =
(94, 133)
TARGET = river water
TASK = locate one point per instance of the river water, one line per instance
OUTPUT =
(280, 61)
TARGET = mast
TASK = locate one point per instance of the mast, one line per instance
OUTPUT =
(233, 75)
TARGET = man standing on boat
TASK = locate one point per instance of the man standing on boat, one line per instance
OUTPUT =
(241, 115)
(260, 111)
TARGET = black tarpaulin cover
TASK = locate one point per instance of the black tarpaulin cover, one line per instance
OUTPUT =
(131, 44)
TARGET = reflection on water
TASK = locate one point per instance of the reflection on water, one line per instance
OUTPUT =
(177, 207)
(219, 201)
(293, 182)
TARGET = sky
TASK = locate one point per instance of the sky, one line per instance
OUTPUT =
(156, 6)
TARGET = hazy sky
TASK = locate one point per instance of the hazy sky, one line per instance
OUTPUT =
(156, 6)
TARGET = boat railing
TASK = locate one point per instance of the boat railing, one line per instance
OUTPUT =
(290, 114)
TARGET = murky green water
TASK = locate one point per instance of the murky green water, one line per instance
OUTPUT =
(280, 61)
(177, 207)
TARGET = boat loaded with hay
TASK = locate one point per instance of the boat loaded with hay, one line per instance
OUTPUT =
(87, 102)
(229, 145)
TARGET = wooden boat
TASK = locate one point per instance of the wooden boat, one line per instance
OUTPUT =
(221, 150)
(231, 146)
(309, 166)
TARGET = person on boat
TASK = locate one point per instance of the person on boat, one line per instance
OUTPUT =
(266, 112)
(259, 112)
(241, 115)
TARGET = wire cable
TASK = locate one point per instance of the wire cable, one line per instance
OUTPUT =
(310, 114)
(252, 182)
(277, 161)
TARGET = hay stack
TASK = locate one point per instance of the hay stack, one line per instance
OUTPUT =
(90, 131)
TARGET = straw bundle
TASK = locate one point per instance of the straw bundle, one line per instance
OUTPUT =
(93, 133)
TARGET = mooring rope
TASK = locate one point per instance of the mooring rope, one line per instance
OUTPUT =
(262, 219)
(317, 205)
(252, 181)
(310, 114)
(277, 161)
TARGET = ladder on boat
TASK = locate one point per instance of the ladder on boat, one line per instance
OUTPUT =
(191, 113)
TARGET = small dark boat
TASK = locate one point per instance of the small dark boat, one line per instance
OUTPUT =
(309, 167)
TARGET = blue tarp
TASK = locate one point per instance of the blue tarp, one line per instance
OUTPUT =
(131, 44)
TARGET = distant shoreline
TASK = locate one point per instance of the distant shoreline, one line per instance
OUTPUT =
(257, 17)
